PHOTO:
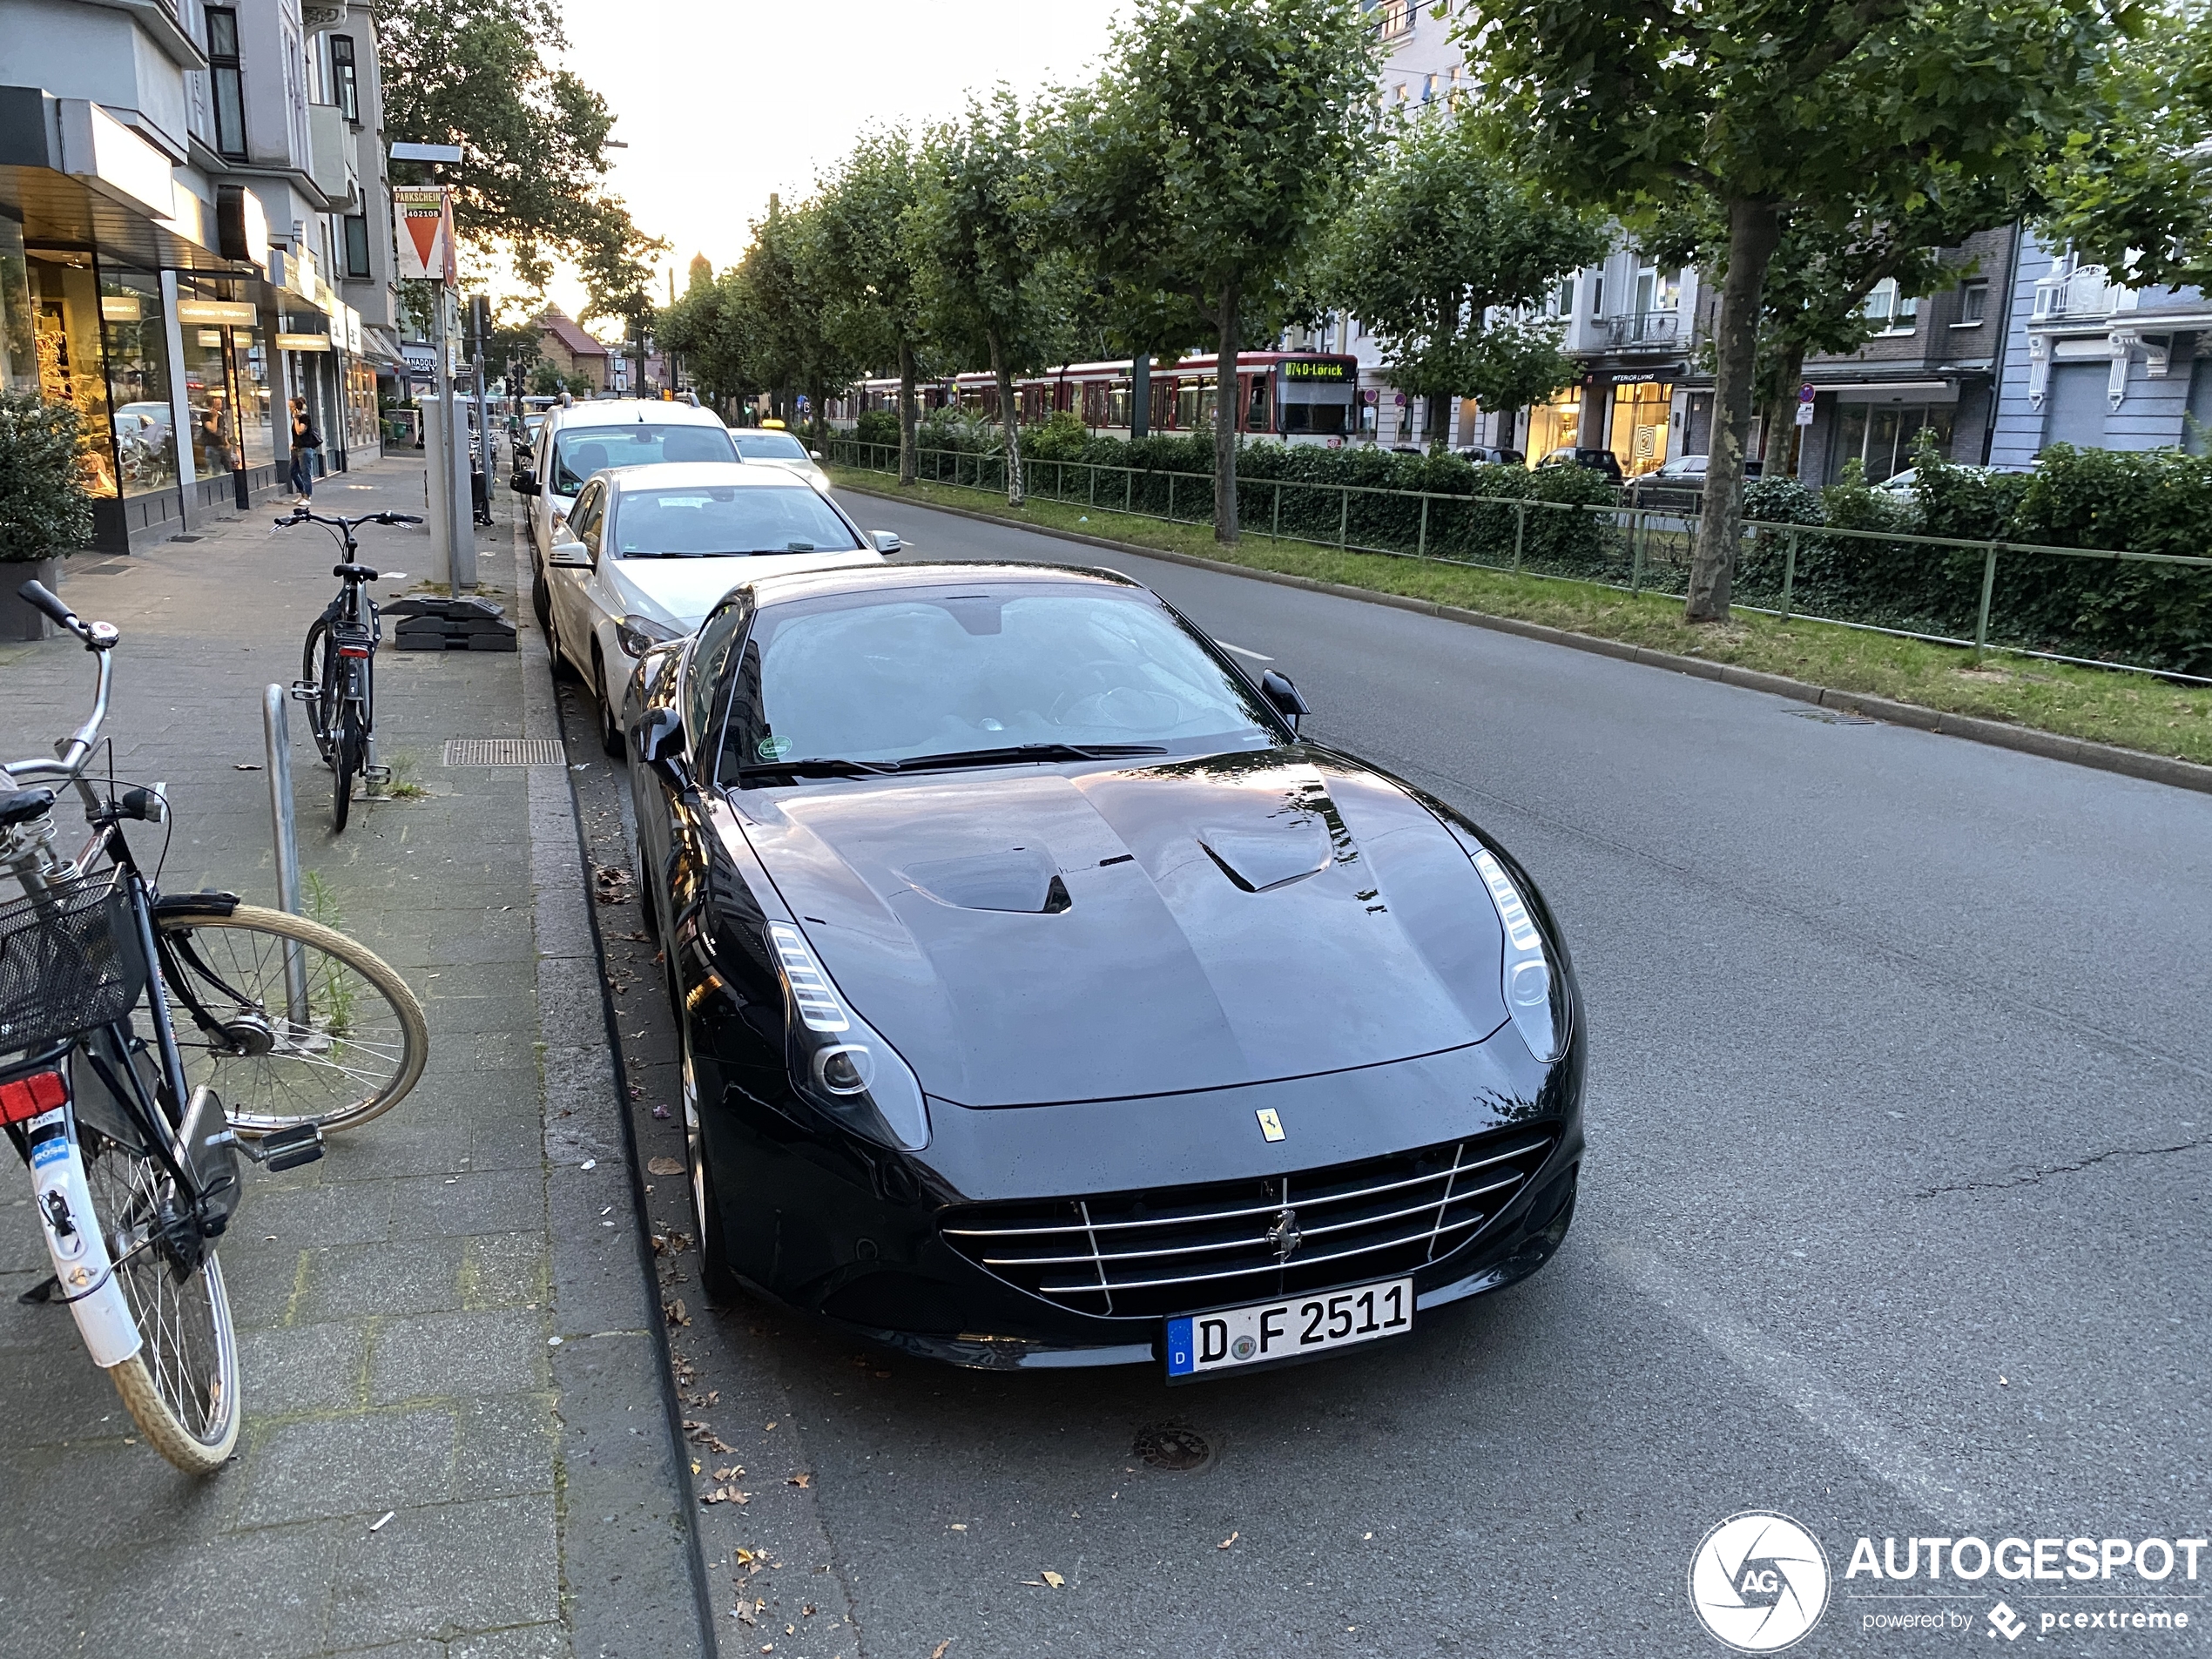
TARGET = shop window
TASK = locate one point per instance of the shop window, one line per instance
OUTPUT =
(18, 333)
(1639, 426)
(1880, 436)
(65, 314)
(138, 378)
(226, 78)
(1555, 425)
(345, 81)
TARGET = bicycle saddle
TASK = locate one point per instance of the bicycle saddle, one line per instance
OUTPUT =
(21, 805)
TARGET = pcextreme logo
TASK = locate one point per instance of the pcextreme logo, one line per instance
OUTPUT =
(1759, 1581)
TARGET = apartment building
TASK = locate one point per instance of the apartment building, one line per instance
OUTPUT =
(194, 228)
(2093, 363)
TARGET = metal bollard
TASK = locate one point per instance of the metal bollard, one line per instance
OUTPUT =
(276, 736)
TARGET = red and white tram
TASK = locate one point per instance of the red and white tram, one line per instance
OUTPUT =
(1295, 397)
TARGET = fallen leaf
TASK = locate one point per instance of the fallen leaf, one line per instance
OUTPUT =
(664, 1166)
(1056, 1581)
(1231, 1539)
(677, 1313)
(695, 1468)
(938, 1652)
(726, 1494)
(801, 1480)
(731, 1474)
(745, 1613)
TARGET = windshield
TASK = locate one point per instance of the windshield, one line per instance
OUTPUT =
(894, 677)
(769, 446)
(580, 451)
(722, 521)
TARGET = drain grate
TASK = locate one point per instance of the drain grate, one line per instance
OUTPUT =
(504, 751)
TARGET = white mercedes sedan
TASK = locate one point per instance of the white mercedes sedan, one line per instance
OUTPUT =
(648, 550)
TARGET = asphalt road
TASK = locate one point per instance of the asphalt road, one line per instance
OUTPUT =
(1893, 1220)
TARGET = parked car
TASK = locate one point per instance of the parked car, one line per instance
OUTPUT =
(587, 437)
(1602, 460)
(775, 449)
(1044, 999)
(1679, 483)
(650, 550)
(1490, 455)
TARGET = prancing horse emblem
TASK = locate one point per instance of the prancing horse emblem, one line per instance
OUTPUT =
(1284, 1236)
(1271, 1126)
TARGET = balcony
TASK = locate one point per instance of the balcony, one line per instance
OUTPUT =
(2084, 295)
(1641, 330)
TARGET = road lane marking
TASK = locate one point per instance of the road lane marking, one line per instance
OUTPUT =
(1799, 1385)
(1256, 656)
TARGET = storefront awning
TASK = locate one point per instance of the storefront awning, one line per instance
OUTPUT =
(57, 208)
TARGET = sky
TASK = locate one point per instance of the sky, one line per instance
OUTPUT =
(723, 102)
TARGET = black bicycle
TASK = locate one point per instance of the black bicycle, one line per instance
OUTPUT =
(337, 680)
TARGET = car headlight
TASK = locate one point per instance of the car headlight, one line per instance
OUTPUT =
(837, 1063)
(1533, 996)
(636, 635)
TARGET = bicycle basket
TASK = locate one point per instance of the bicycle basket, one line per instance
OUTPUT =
(70, 963)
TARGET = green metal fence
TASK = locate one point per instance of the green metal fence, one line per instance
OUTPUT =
(2144, 611)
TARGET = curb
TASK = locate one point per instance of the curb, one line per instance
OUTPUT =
(2078, 751)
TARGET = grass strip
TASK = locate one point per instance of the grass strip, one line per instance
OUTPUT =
(2131, 710)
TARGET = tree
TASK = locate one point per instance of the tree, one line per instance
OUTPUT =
(1209, 164)
(863, 257)
(1772, 109)
(2132, 192)
(533, 137)
(989, 288)
(1440, 237)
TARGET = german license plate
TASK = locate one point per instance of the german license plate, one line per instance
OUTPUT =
(1265, 1332)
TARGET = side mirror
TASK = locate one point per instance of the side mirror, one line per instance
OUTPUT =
(885, 541)
(569, 553)
(522, 484)
(659, 739)
(1284, 695)
(815, 454)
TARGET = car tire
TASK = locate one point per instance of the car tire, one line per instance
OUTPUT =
(541, 599)
(716, 1279)
(611, 738)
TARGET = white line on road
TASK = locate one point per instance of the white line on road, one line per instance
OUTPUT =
(1798, 1385)
(1241, 651)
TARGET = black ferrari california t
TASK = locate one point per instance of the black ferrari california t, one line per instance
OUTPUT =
(1046, 1000)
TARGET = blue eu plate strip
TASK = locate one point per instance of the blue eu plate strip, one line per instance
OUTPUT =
(1179, 1348)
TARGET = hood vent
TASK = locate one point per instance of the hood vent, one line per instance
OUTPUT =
(1021, 880)
(1261, 860)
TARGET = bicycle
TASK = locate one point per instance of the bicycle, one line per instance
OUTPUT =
(135, 1159)
(337, 682)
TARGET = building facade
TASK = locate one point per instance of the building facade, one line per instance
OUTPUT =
(181, 183)
(563, 342)
(2101, 366)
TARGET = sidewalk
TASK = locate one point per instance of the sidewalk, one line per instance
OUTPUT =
(452, 1317)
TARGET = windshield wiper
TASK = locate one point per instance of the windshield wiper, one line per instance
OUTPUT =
(828, 766)
(1016, 753)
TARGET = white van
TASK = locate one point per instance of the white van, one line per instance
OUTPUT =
(588, 437)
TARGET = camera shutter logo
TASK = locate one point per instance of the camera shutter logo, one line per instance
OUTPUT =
(1759, 1581)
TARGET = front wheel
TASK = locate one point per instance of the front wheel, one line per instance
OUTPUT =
(289, 1022)
(181, 1386)
(317, 671)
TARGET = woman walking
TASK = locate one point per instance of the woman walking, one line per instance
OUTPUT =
(305, 442)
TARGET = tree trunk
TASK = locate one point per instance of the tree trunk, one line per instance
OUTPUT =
(1753, 230)
(905, 412)
(1010, 422)
(1224, 423)
(1140, 396)
(1782, 415)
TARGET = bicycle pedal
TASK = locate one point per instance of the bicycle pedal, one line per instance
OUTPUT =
(305, 691)
(288, 1149)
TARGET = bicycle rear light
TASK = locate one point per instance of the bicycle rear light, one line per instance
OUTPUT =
(27, 1097)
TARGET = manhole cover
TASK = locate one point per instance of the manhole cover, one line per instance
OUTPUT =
(1169, 1446)
(503, 752)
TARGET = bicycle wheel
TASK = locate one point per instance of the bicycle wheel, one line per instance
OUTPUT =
(318, 661)
(181, 1386)
(348, 745)
(354, 1048)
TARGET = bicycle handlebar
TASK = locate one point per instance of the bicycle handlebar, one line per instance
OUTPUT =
(302, 516)
(99, 638)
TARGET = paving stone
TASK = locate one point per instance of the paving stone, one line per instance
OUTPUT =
(449, 1570)
(480, 1201)
(505, 1269)
(287, 1369)
(454, 1355)
(360, 1463)
(507, 1445)
(393, 1276)
(531, 1641)
(318, 1216)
